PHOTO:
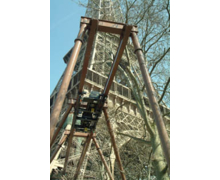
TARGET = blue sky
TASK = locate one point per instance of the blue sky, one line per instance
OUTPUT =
(64, 26)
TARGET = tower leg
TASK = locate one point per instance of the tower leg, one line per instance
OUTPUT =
(102, 158)
(66, 80)
(114, 144)
(152, 99)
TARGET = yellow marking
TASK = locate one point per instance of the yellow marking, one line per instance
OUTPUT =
(92, 109)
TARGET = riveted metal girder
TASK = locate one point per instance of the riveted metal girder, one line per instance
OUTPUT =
(108, 26)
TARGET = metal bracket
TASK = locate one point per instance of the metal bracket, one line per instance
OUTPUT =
(78, 39)
(137, 50)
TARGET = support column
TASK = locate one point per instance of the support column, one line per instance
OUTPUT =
(102, 158)
(114, 144)
(66, 80)
(152, 99)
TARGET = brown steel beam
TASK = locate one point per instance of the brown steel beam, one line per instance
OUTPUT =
(83, 155)
(80, 134)
(114, 67)
(152, 99)
(61, 124)
(114, 144)
(66, 80)
(68, 148)
(59, 145)
(102, 158)
(92, 32)
(108, 26)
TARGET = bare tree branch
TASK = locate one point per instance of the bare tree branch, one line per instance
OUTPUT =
(161, 58)
(164, 91)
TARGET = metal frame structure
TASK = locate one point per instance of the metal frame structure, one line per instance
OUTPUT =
(125, 31)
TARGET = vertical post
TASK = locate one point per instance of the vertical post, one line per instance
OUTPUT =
(152, 98)
(83, 155)
(102, 158)
(114, 144)
(66, 80)
(92, 33)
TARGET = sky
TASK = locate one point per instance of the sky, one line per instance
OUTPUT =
(64, 26)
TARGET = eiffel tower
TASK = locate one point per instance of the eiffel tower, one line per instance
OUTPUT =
(124, 115)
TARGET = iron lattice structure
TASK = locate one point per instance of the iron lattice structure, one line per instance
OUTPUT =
(124, 115)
